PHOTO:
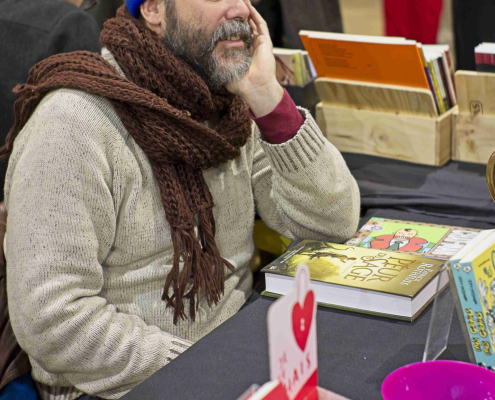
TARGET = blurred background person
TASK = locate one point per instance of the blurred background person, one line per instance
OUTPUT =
(32, 30)
(285, 18)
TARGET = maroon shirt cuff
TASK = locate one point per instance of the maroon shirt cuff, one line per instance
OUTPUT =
(282, 123)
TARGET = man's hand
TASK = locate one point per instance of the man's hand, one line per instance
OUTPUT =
(259, 87)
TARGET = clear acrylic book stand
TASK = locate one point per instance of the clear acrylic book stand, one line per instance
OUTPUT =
(440, 322)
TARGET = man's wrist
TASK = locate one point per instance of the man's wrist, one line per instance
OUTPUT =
(263, 100)
(282, 124)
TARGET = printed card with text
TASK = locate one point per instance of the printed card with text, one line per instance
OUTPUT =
(292, 340)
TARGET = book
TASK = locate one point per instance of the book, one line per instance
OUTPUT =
(456, 258)
(365, 280)
(439, 56)
(377, 59)
(429, 77)
(472, 277)
(429, 240)
(285, 66)
(444, 49)
(484, 55)
(443, 74)
(292, 66)
(436, 84)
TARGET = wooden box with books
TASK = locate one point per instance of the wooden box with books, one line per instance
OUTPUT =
(384, 96)
(474, 122)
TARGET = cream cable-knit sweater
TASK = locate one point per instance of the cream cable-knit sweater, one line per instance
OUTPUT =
(88, 246)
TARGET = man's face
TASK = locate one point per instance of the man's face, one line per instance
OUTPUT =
(212, 36)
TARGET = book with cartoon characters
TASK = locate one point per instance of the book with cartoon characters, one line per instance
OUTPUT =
(366, 280)
(429, 240)
(472, 277)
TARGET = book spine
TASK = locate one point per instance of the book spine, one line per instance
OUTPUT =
(428, 76)
(441, 85)
(485, 62)
(432, 88)
(443, 76)
(436, 86)
(478, 57)
(451, 68)
(450, 83)
(297, 70)
(304, 71)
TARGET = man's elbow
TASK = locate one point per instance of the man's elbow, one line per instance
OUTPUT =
(349, 218)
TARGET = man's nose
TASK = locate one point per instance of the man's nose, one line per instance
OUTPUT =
(237, 9)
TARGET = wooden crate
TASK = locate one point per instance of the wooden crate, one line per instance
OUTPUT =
(384, 120)
(416, 139)
(473, 138)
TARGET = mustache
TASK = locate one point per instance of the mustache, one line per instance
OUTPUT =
(233, 28)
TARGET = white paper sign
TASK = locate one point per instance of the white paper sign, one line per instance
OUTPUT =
(292, 339)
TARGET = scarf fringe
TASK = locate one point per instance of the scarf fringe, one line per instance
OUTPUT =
(203, 268)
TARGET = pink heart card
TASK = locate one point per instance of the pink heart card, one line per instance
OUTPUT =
(292, 340)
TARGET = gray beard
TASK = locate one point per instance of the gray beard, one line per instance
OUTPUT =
(196, 47)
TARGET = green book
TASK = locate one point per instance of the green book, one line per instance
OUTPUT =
(365, 280)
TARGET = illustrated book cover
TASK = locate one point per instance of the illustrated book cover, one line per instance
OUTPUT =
(366, 280)
(473, 285)
(429, 240)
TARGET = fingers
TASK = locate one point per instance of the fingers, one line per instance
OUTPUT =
(253, 27)
(258, 20)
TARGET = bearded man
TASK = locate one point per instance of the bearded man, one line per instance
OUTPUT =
(132, 188)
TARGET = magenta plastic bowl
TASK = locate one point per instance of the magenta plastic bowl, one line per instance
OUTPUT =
(439, 380)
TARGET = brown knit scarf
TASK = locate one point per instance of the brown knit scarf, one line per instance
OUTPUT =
(162, 104)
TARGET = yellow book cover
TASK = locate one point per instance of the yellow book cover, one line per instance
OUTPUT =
(297, 69)
(377, 270)
(434, 78)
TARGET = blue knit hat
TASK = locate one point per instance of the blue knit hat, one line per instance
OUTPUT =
(133, 7)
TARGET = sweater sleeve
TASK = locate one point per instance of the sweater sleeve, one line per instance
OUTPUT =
(61, 226)
(282, 123)
(303, 187)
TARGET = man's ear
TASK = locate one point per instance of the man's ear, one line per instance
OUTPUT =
(153, 13)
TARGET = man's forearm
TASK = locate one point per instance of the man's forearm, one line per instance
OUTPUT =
(263, 100)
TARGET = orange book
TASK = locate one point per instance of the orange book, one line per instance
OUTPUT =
(392, 61)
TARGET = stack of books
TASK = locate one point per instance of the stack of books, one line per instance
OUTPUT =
(383, 60)
(484, 54)
(389, 268)
(294, 67)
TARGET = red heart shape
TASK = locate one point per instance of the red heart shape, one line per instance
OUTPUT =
(301, 319)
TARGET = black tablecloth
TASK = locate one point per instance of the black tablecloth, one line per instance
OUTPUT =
(355, 354)
(356, 351)
(456, 191)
